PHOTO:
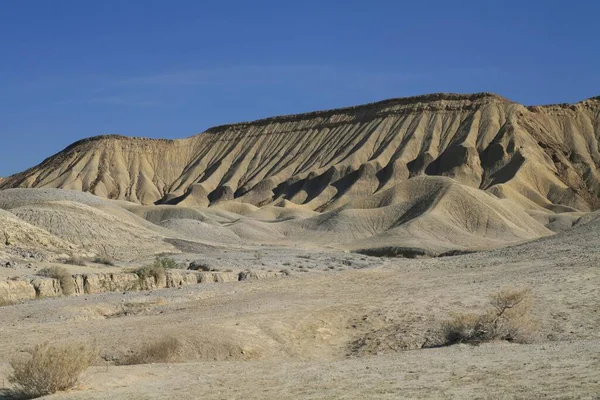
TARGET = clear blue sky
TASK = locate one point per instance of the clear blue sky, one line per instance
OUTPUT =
(73, 69)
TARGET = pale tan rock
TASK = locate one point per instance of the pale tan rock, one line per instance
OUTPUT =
(78, 285)
(225, 276)
(256, 275)
(17, 290)
(46, 287)
(99, 283)
(180, 278)
(206, 277)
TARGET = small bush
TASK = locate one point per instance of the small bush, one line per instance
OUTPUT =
(104, 261)
(164, 350)
(507, 318)
(64, 277)
(75, 260)
(50, 368)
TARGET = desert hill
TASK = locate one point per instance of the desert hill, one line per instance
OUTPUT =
(542, 157)
(421, 176)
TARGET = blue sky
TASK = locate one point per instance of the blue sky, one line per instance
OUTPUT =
(79, 68)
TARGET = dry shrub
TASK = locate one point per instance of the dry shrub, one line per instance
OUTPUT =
(104, 261)
(75, 260)
(64, 277)
(165, 350)
(463, 328)
(50, 368)
(199, 266)
(156, 272)
(507, 318)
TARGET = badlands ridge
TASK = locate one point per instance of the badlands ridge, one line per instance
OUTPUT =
(423, 175)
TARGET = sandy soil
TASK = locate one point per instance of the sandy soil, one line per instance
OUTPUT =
(293, 337)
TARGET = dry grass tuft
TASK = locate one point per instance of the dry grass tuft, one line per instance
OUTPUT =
(165, 350)
(506, 319)
(64, 277)
(50, 368)
(6, 302)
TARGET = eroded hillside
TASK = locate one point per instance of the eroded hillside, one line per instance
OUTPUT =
(540, 157)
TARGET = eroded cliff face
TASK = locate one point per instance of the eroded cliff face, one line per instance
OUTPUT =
(544, 156)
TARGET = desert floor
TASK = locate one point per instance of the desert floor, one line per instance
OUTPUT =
(347, 332)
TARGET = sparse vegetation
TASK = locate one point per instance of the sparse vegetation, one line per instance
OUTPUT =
(199, 266)
(64, 277)
(163, 350)
(285, 272)
(50, 368)
(104, 261)
(506, 319)
(74, 260)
